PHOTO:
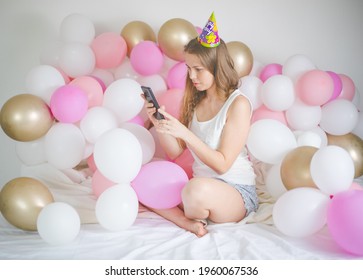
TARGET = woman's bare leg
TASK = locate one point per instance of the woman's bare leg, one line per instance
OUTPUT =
(213, 199)
(176, 215)
(205, 198)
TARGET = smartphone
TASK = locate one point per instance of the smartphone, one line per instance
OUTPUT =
(150, 97)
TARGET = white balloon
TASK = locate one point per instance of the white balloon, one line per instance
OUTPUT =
(278, 93)
(77, 59)
(297, 65)
(125, 70)
(96, 122)
(301, 212)
(104, 75)
(123, 97)
(274, 184)
(256, 68)
(168, 64)
(301, 116)
(251, 87)
(323, 137)
(77, 28)
(357, 100)
(339, 117)
(309, 138)
(58, 223)
(358, 130)
(332, 169)
(31, 152)
(145, 138)
(117, 207)
(43, 80)
(118, 155)
(64, 145)
(270, 140)
(155, 82)
(88, 150)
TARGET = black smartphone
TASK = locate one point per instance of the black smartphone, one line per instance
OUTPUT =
(150, 97)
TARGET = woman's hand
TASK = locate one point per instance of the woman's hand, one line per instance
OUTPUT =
(150, 110)
(166, 129)
(171, 126)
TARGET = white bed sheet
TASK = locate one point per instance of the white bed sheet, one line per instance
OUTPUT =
(152, 237)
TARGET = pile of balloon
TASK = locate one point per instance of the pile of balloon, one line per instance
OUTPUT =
(83, 105)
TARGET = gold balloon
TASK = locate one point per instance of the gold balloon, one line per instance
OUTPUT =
(295, 168)
(135, 32)
(353, 144)
(21, 201)
(25, 117)
(173, 35)
(241, 56)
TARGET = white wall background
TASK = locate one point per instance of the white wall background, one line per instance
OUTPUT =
(329, 32)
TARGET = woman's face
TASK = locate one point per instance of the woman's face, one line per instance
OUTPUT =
(201, 78)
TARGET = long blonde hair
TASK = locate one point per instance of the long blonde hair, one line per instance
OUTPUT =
(218, 62)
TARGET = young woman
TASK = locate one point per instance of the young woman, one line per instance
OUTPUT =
(214, 124)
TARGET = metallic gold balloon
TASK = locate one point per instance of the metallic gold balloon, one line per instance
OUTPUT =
(295, 168)
(353, 144)
(21, 201)
(135, 32)
(242, 57)
(25, 117)
(173, 35)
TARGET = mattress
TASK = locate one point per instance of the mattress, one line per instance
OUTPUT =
(153, 238)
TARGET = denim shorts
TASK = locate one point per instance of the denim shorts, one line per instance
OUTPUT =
(249, 196)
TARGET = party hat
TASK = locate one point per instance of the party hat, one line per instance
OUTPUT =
(209, 36)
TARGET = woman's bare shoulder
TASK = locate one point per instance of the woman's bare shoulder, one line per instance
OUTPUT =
(241, 102)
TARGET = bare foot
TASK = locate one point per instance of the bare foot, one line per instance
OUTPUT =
(197, 227)
(176, 215)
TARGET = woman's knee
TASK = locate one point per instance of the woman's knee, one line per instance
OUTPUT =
(194, 190)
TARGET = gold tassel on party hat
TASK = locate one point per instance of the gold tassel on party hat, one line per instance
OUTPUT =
(209, 37)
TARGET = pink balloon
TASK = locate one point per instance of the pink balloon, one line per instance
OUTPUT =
(199, 29)
(91, 163)
(172, 100)
(69, 104)
(159, 184)
(100, 183)
(102, 83)
(338, 85)
(315, 87)
(146, 58)
(264, 113)
(92, 88)
(137, 120)
(270, 70)
(348, 88)
(177, 76)
(110, 50)
(344, 220)
(185, 161)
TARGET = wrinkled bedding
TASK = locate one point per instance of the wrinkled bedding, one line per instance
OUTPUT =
(152, 237)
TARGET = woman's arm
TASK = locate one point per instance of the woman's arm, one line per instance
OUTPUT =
(233, 138)
(168, 142)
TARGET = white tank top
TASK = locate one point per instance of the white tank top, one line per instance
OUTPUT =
(241, 171)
